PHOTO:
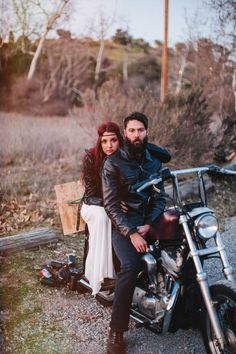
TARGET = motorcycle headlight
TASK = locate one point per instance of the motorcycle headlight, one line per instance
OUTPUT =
(207, 226)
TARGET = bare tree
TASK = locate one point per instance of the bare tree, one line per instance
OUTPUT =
(182, 53)
(30, 17)
(5, 19)
(100, 28)
(184, 49)
(69, 68)
(225, 24)
(225, 16)
(27, 21)
(51, 21)
(123, 38)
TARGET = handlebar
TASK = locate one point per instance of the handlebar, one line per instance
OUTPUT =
(149, 183)
(166, 174)
(211, 169)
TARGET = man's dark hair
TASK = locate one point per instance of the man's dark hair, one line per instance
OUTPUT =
(136, 116)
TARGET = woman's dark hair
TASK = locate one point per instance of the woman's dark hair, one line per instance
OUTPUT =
(96, 153)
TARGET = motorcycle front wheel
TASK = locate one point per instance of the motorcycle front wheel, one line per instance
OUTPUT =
(224, 298)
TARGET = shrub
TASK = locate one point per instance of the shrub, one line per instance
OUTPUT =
(148, 67)
(181, 124)
(187, 119)
(20, 62)
(122, 37)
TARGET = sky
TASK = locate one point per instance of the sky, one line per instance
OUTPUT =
(144, 18)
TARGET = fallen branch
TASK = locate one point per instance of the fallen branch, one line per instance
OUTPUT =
(27, 240)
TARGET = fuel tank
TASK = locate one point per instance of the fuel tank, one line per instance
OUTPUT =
(167, 227)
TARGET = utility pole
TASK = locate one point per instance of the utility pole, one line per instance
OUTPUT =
(164, 72)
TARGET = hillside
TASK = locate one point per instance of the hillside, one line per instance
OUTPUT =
(199, 107)
(67, 68)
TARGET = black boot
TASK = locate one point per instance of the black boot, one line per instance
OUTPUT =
(115, 343)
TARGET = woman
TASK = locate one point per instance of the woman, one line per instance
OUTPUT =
(99, 262)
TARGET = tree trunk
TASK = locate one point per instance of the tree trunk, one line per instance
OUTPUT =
(99, 60)
(164, 70)
(180, 74)
(125, 65)
(27, 240)
(36, 56)
(50, 23)
(234, 88)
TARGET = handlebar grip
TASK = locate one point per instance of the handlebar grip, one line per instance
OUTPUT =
(213, 169)
(149, 183)
(228, 172)
(165, 174)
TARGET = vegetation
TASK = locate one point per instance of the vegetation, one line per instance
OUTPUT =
(38, 150)
(53, 118)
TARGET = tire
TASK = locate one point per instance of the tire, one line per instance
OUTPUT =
(224, 297)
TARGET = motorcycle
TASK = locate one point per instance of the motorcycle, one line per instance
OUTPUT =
(172, 289)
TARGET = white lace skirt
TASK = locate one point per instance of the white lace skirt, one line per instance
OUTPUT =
(99, 262)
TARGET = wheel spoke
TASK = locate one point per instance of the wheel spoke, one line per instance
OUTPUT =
(224, 299)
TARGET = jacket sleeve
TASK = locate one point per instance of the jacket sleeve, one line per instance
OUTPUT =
(111, 199)
(161, 153)
(155, 207)
(88, 173)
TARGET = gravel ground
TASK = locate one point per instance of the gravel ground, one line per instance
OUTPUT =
(69, 323)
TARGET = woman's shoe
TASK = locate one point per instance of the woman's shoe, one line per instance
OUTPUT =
(109, 283)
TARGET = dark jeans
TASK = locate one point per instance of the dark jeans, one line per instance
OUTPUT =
(129, 267)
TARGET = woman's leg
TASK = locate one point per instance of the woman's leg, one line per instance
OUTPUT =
(99, 262)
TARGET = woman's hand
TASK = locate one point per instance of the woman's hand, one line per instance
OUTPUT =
(124, 206)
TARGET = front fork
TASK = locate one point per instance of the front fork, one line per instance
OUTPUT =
(203, 283)
(227, 269)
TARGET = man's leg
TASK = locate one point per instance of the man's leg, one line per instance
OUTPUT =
(125, 285)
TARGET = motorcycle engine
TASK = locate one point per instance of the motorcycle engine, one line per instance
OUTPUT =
(152, 295)
(151, 305)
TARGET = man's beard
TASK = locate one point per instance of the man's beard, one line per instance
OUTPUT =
(137, 146)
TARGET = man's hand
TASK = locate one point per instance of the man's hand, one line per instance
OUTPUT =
(144, 229)
(138, 242)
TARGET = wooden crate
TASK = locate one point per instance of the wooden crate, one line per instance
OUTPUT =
(66, 194)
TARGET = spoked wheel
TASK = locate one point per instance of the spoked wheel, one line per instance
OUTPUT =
(224, 298)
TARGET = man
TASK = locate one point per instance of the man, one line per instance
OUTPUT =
(122, 172)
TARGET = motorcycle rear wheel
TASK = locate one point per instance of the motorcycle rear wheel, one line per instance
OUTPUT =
(224, 297)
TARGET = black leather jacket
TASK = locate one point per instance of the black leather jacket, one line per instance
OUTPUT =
(92, 186)
(120, 175)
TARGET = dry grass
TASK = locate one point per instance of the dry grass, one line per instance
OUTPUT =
(40, 139)
(36, 154)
